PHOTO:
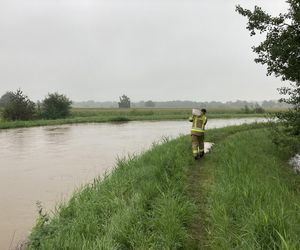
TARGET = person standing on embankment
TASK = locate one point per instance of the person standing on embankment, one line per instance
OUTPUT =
(199, 121)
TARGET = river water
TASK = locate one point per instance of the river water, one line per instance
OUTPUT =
(47, 164)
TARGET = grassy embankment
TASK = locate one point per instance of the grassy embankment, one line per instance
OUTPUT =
(242, 197)
(90, 115)
(246, 194)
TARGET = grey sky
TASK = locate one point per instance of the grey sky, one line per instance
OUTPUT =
(149, 49)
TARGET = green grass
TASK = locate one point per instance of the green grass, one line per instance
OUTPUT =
(242, 195)
(251, 196)
(141, 205)
(93, 115)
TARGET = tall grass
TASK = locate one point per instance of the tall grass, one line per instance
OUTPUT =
(141, 205)
(253, 202)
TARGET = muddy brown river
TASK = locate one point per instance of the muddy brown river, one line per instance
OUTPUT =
(47, 164)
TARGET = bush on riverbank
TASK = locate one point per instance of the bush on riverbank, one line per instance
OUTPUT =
(288, 144)
(55, 106)
(18, 106)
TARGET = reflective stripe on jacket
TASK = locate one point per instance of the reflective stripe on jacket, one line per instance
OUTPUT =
(199, 123)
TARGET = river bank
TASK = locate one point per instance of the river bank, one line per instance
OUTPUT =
(247, 195)
(123, 115)
(149, 201)
(47, 164)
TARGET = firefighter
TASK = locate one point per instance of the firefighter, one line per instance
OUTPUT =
(199, 121)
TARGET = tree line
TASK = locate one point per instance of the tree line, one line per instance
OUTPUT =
(237, 105)
(17, 106)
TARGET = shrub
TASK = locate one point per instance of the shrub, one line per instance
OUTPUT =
(18, 107)
(259, 110)
(56, 106)
(149, 104)
(5, 98)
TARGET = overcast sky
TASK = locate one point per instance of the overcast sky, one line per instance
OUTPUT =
(148, 49)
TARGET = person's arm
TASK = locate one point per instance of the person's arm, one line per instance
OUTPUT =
(191, 118)
(205, 121)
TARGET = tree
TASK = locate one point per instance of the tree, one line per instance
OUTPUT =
(18, 107)
(258, 109)
(149, 104)
(124, 102)
(56, 106)
(246, 109)
(5, 98)
(280, 52)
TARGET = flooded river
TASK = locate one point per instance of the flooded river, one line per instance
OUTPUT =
(47, 164)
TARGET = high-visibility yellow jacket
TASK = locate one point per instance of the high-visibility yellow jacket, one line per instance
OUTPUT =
(199, 123)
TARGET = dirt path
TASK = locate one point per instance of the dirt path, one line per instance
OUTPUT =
(199, 179)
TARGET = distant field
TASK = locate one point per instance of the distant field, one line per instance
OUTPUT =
(89, 115)
(153, 111)
(159, 113)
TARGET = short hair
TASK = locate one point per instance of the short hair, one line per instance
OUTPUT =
(203, 111)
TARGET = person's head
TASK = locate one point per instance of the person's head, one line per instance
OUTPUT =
(203, 111)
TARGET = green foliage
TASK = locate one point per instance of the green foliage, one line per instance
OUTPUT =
(280, 50)
(253, 197)
(246, 110)
(120, 119)
(288, 145)
(18, 107)
(257, 109)
(280, 53)
(4, 100)
(149, 104)
(56, 106)
(142, 204)
(124, 102)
